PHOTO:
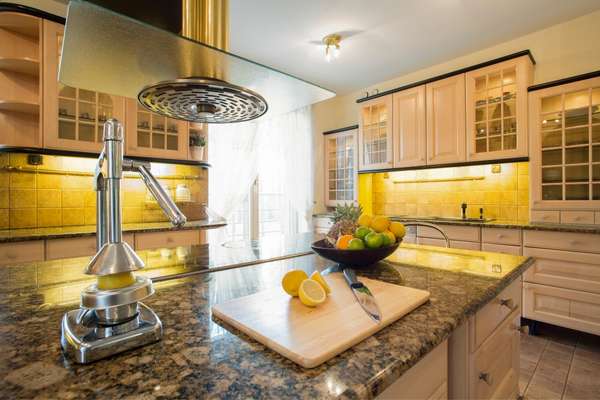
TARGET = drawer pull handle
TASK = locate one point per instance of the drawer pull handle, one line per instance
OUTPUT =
(573, 242)
(486, 377)
(500, 236)
(169, 240)
(508, 303)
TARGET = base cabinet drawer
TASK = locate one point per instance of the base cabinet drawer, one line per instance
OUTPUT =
(76, 247)
(461, 233)
(494, 313)
(428, 379)
(501, 248)
(563, 307)
(454, 244)
(495, 366)
(501, 236)
(154, 240)
(565, 269)
(589, 243)
(18, 252)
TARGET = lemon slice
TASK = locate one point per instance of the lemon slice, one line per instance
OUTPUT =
(116, 281)
(316, 276)
(291, 281)
(311, 293)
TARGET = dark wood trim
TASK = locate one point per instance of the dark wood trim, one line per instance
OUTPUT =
(70, 153)
(461, 164)
(20, 8)
(348, 128)
(453, 73)
(564, 81)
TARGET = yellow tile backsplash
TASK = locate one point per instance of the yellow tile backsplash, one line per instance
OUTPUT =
(440, 192)
(59, 192)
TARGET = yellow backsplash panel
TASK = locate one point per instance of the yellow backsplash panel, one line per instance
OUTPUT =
(59, 192)
(440, 192)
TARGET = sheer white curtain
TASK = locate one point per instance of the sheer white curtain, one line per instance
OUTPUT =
(278, 150)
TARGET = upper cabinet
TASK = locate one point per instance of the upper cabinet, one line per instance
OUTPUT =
(565, 146)
(152, 135)
(375, 134)
(340, 167)
(496, 106)
(73, 118)
(409, 127)
(446, 120)
(20, 80)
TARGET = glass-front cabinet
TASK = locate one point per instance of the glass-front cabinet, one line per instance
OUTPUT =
(340, 167)
(375, 134)
(566, 146)
(73, 118)
(153, 135)
(496, 114)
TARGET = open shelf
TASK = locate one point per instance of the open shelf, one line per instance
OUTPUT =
(18, 106)
(26, 66)
(20, 23)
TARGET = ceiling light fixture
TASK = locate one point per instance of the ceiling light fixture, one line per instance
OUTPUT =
(332, 46)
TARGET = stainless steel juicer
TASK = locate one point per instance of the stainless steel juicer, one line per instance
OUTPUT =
(112, 321)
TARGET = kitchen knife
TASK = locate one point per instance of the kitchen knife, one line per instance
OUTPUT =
(363, 295)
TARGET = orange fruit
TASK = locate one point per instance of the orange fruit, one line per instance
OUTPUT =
(343, 241)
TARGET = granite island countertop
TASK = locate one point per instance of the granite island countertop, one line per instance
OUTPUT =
(22, 234)
(200, 357)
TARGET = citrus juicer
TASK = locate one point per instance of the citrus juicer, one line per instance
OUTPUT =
(111, 318)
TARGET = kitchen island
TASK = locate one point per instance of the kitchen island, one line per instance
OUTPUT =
(200, 357)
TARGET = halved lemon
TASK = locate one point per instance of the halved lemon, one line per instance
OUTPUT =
(316, 276)
(291, 281)
(311, 293)
(116, 281)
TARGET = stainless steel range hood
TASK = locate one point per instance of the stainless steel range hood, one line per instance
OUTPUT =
(174, 75)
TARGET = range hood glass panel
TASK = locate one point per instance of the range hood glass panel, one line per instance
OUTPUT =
(108, 52)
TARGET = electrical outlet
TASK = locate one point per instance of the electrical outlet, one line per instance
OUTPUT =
(496, 168)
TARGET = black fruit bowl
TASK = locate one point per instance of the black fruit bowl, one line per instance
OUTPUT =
(353, 258)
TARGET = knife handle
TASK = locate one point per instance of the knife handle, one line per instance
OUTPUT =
(351, 278)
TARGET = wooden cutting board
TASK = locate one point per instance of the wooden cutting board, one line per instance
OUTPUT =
(311, 336)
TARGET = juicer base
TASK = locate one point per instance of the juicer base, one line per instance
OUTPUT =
(84, 340)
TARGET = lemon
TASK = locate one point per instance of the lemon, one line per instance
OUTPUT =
(291, 281)
(398, 229)
(115, 281)
(316, 276)
(364, 220)
(311, 293)
(380, 223)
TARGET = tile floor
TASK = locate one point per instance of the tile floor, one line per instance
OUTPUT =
(559, 363)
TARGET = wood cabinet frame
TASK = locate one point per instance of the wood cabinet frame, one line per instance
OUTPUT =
(409, 124)
(362, 165)
(524, 77)
(446, 139)
(535, 156)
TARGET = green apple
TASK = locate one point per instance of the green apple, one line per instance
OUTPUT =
(362, 231)
(356, 244)
(374, 240)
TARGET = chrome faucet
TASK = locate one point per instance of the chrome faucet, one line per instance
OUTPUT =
(110, 321)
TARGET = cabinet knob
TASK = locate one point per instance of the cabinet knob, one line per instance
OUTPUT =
(169, 240)
(486, 377)
(573, 242)
(500, 236)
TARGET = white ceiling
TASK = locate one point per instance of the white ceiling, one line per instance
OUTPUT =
(383, 38)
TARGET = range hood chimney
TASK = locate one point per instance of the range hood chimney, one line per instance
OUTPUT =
(190, 76)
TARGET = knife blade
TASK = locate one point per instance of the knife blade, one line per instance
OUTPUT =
(363, 295)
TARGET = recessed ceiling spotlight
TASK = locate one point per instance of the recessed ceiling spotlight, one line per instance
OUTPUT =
(332, 46)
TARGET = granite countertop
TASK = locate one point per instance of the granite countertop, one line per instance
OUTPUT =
(201, 357)
(498, 223)
(18, 235)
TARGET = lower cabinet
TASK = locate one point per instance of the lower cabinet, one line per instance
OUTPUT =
(21, 252)
(428, 379)
(483, 353)
(460, 237)
(154, 240)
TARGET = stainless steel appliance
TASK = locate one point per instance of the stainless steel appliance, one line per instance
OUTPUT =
(110, 321)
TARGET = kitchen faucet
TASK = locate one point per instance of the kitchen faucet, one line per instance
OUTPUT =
(111, 318)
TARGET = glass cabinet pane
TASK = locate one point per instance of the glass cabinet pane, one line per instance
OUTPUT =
(576, 155)
(596, 192)
(551, 121)
(576, 117)
(577, 135)
(66, 130)
(551, 104)
(552, 139)
(172, 142)
(577, 99)
(552, 157)
(552, 192)
(577, 192)
(577, 173)
(552, 175)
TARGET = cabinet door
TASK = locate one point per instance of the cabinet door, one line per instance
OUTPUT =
(73, 118)
(409, 122)
(446, 136)
(497, 110)
(565, 150)
(340, 168)
(152, 135)
(375, 134)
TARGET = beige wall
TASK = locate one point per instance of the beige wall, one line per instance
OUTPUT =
(563, 50)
